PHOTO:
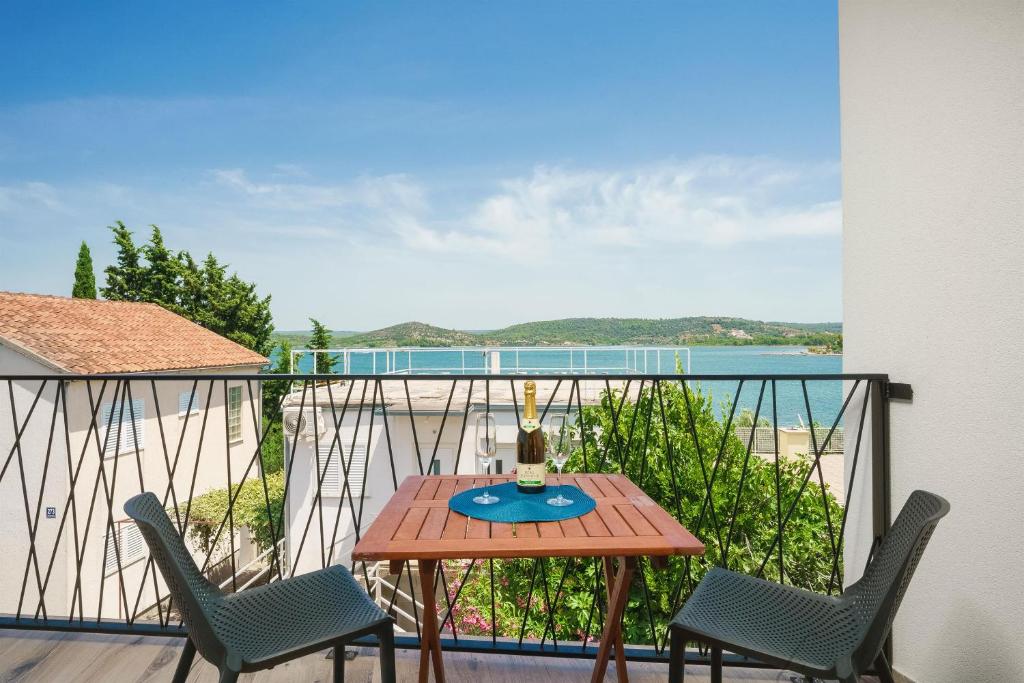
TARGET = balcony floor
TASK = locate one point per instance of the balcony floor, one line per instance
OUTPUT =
(44, 657)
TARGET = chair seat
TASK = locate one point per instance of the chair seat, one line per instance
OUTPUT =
(299, 615)
(769, 621)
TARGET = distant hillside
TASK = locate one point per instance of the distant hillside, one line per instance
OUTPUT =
(669, 331)
(299, 338)
(693, 331)
(413, 334)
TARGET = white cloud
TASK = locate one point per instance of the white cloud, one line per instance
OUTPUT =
(713, 201)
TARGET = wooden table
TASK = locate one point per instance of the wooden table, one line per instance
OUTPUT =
(416, 524)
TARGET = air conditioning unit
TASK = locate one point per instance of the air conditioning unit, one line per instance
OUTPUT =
(306, 425)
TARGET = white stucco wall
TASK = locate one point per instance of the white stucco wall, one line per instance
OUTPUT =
(932, 108)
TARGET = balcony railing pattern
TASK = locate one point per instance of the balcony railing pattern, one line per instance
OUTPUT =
(274, 496)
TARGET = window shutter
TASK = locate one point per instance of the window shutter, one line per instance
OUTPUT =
(184, 399)
(133, 432)
(334, 481)
(110, 433)
(331, 458)
(130, 542)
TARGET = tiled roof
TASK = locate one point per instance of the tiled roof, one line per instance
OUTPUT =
(89, 336)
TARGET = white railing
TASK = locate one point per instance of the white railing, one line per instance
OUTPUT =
(499, 360)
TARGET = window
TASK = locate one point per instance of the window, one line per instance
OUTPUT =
(234, 413)
(334, 480)
(130, 544)
(125, 422)
(188, 403)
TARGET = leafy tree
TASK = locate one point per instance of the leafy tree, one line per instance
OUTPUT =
(204, 293)
(124, 279)
(737, 523)
(161, 280)
(321, 339)
(85, 277)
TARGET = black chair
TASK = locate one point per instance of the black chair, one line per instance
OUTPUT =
(261, 627)
(816, 635)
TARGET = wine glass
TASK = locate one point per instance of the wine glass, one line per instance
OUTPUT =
(486, 446)
(558, 442)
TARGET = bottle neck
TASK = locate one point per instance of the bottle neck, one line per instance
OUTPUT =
(530, 411)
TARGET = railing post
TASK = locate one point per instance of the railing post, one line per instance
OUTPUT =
(881, 509)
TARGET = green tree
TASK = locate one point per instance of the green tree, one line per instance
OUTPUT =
(85, 276)
(203, 293)
(124, 279)
(161, 278)
(321, 339)
(670, 458)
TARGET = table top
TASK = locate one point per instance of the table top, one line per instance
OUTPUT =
(416, 524)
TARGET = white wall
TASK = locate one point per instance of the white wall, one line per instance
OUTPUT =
(932, 106)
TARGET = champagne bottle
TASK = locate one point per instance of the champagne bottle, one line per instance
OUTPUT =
(530, 457)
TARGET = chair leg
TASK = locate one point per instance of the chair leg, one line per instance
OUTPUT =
(716, 664)
(677, 656)
(387, 653)
(883, 668)
(228, 676)
(339, 664)
(185, 661)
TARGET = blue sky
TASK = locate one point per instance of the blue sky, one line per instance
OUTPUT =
(467, 164)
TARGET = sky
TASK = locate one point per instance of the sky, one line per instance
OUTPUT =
(467, 164)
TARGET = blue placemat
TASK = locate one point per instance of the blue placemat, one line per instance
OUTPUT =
(522, 507)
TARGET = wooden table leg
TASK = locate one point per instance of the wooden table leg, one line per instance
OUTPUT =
(430, 638)
(618, 593)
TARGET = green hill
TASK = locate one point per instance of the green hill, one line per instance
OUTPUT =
(668, 331)
(412, 334)
(694, 331)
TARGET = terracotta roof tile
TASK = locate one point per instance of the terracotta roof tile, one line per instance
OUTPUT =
(89, 336)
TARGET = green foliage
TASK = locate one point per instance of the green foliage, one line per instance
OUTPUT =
(125, 278)
(203, 293)
(272, 449)
(85, 277)
(209, 510)
(672, 469)
(321, 339)
(274, 390)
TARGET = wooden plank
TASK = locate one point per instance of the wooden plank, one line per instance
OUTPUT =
(428, 489)
(433, 527)
(607, 488)
(617, 526)
(527, 530)
(445, 490)
(636, 521)
(478, 528)
(587, 486)
(573, 528)
(593, 524)
(550, 530)
(501, 530)
(410, 526)
(456, 526)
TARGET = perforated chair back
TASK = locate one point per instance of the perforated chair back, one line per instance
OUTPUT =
(875, 598)
(195, 597)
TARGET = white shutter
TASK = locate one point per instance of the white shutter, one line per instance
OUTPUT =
(132, 432)
(355, 460)
(184, 399)
(108, 430)
(129, 541)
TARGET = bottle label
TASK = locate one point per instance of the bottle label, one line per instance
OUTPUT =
(530, 475)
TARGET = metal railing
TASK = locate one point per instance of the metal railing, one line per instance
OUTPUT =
(320, 455)
(498, 360)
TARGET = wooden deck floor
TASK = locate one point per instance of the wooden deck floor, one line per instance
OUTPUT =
(54, 657)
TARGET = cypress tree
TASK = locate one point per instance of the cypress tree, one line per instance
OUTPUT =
(85, 277)
(124, 279)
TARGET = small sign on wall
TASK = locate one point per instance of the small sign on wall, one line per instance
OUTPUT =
(51, 513)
